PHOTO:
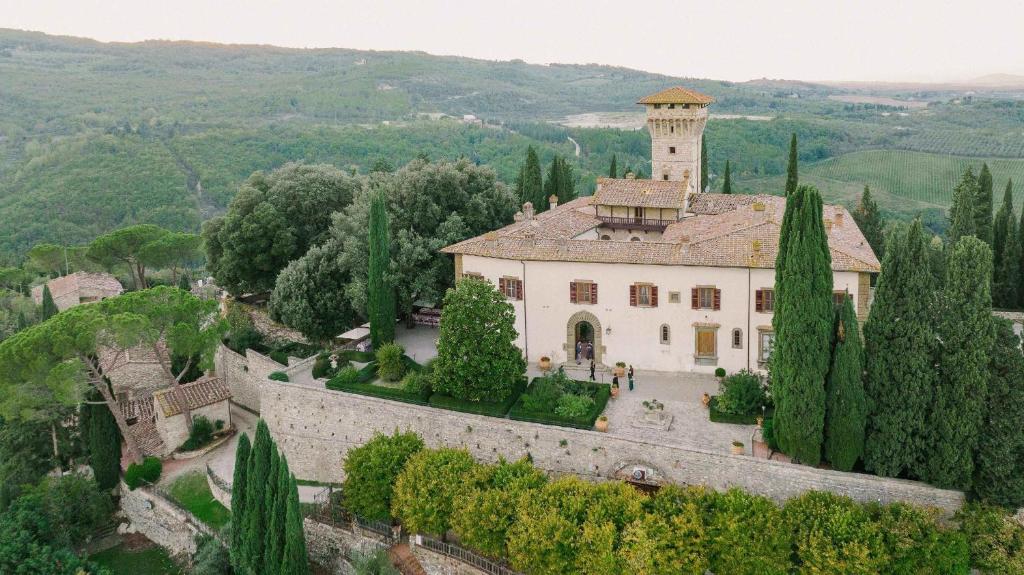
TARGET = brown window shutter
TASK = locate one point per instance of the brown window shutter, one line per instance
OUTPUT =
(694, 298)
(759, 300)
(572, 292)
(718, 298)
(501, 287)
(519, 290)
(654, 296)
(632, 295)
(593, 293)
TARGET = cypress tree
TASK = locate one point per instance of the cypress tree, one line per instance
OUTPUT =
(898, 343)
(381, 296)
(846, 407)
(613, 172)
(533, 180)
(1003, 215)
(1020, 277)
(555, 184)
(703, 164)
(269, 501)
(792, 178)
(999, 464)
(803, 324)
(727, 179)
(22, 321)
(793, 207)
(295, 561)
(183, 283)
(49, 307)
(104, 441)
(568, 192)
(1005, 289)
(961, 212)
(276, 524)
(869, 220)
(253, 536)
(983, 206)
(964, 340)
(239, 490)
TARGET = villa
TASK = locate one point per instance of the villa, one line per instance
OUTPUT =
(655, 273)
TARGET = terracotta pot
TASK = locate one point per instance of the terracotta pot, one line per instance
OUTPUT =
(706, 400)
(760, 422)
(615, 391)
(738, 450)
(545, 363)
(619, 371)
(601, 425)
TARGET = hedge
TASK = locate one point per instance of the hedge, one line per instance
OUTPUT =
(492, 409)
(601, 393)
(146, 472)
(364, 384)
(279, 376)
(721, 417)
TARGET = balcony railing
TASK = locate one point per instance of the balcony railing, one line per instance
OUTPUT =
(635, 223)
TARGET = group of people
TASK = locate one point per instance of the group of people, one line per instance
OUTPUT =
(615, 379)
(585, 350)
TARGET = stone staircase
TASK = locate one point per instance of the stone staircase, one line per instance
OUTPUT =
(403, 560)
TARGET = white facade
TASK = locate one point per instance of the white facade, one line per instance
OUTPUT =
(546, 319)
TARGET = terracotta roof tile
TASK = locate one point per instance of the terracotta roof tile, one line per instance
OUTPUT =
(643, 193)
(677, 95)
(204, 391)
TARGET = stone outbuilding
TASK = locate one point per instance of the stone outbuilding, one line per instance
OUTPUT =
(78, 288)
(158, 422)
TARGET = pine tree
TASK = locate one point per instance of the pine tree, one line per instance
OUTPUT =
(49, 307)
(276, 524)
(1003, 215)
(239, 490)
(381, 296)
(999, 464)
(295, 561)
(898, 348)
(983, 206)
(869, 219)
(533, 180)
(727, 179)
(270, 566)
(613, 172)
(965, 333)
(961, 212)
(104, 440)
(803, 324)
(1005, 289)
(703, 163)
(846, 407)
(253, 536)
(792, 178)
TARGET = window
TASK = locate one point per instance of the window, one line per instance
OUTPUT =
(671, 149)
(706, 297)
(737, 338)
(764, 300)
(765, 343)
(511, 287)
(671, 106)
(657, 106)
(634, 239)
(706, 348)
(643, 295)
(664, 177)
(638, 214)
(583, 291)
(606, 237)
(671, 129)
(839, 297)
(665, 334)
(673, 297)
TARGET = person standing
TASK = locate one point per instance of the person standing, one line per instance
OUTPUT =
(630, 375)
(592, 368)
(579, 351)
(615, 381)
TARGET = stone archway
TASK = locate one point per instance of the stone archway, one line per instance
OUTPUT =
(572, 331)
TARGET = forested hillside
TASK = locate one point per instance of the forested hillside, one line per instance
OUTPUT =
(96, 136)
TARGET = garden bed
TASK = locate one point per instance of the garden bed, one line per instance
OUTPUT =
(364, 384)
(193, 493)
(717, 416)
(493, 409)
(599, 392)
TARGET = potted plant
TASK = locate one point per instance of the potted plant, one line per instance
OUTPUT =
(706, 399)
(737, 448)
(620, 368)
(545, 363)
(719, 372)
(615, 390)
(601, 424)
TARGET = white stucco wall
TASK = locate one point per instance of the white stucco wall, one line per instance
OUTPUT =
(542, 317)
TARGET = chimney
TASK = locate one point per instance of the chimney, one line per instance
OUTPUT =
(528, 211)
(553, 201)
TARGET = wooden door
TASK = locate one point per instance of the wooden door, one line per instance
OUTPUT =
(706, 343)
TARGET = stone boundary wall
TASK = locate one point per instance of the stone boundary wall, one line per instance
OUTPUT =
(435, 563)
(218, 487)
(161, 521)
(328, 545)
(299, 365)
(243, 373)
(316, 427)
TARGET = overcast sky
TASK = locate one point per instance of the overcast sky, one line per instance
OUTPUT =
(917, 40)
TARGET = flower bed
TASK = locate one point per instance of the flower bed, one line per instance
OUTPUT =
(362, 382)
(598, 392)
(718, 416)
(493, 409)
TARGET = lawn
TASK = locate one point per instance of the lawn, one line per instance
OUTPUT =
(151, 560)
(193, 493)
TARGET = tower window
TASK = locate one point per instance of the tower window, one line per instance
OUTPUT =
(671, 129)
(657, 106)
(671, 149)
(671, 106)
(664, 177)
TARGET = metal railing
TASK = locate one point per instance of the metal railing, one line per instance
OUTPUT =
(635, 223)
(463, 555)
(327, 509)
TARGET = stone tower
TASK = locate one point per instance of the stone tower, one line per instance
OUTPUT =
(675, 119)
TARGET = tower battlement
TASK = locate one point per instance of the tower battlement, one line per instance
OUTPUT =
(675, 120)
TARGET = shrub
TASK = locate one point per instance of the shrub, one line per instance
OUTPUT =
(199, 435)
(768, 434)
(371, 471)
(570, 405)
(666, 544)
(746, 536)
(322, 366)
(719, 372)
(833, 534)
(347, 376)
(146, 472)
(545, 392)
(279, 376)
(742, 393)
(428, 487)
(483, 517)
(218, 425)
(914, 542)
(389, 362)
(417, 383)
(995, 539)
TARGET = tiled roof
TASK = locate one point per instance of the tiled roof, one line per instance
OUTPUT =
(734, 231)
(677, 95)
(643, 193)
(204, 391)
(79, 281)
(141, 408)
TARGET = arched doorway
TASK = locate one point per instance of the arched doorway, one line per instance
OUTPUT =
(583, 328)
